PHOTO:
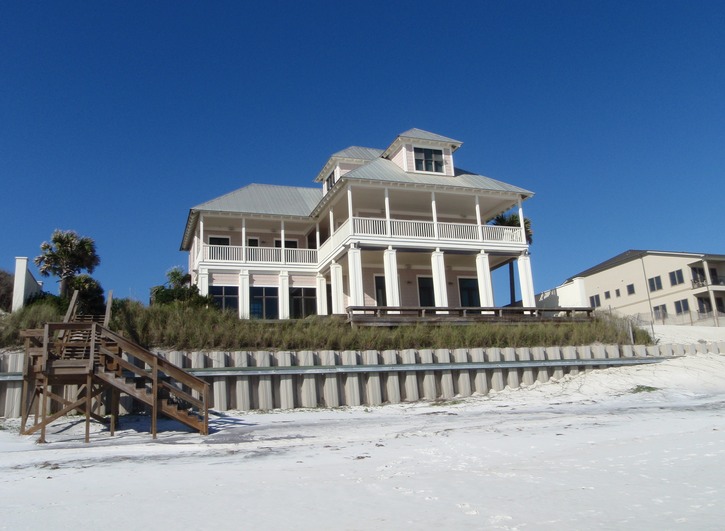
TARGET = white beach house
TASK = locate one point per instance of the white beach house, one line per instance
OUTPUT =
(395, 227)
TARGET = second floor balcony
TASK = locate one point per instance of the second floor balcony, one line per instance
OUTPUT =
(378, 231)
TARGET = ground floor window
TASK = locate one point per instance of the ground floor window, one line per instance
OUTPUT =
(225, 297)
(264, 303)
(703, 305)
(426, 295)
(660, 311)
(381, 298)
(302, 302)
(682, 306)
(468, 289)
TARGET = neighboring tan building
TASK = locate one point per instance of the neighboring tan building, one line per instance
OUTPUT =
(400, 226)
(656, 286)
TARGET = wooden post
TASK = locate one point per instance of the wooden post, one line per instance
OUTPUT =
(154, 396)
(89, 401)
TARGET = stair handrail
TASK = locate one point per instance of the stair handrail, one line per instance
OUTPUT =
(157, 363)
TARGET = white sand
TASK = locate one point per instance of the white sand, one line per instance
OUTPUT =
(586, 452)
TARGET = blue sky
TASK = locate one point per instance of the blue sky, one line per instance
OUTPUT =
(117, 117)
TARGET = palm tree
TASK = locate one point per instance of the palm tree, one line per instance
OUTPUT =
(512, 220)
(66, 255)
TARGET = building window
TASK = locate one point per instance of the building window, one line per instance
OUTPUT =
(676, 277)
(468, 289)
(426, 295)
(616, 293)
(428, 160)
(660, 311)
(252, 242)
(330, 181)
(381, 298)
(655, 283)
(630, 289)
(264, 303)
(595, 301)
(302, 302)
(225, 297)
(607, 295)
(288, 244)
(219, 240)
(682, 306)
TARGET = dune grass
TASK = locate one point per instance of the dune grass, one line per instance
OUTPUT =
(191, 328)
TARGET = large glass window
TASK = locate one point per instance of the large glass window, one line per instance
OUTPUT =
(302, 302)
(218, 240)
(426, 295)
(381, 298)
(225, 297)
(428, 160)
(264, 303)
(468, 289)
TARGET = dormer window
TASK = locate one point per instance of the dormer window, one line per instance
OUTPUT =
(428, 160)
(330, 181)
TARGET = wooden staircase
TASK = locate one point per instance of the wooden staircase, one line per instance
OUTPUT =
(82, 351)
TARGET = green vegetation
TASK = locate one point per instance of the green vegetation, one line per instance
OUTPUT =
(65, 256)
(177, 325)
(6, 290)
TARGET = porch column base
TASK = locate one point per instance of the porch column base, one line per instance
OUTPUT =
(244, 294)
(321, 293)
(338, 304)
(392, 286)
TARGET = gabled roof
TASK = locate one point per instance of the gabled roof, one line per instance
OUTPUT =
(387, 171)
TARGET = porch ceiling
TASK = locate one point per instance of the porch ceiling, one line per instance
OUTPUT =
(370, 202)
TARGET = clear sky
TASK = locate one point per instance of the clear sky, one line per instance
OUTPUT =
(117, 117)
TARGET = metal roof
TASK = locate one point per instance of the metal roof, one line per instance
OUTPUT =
(628, 256)
(359, 153)
(266, 199)
(427, 135)
(387, 171)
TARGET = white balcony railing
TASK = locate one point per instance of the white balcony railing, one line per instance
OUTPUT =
(368, 227)
(427, 230)
(233, 253)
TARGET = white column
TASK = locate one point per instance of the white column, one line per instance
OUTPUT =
(19, 282)
(478, 219)
(203, 281)
(354, 275)
(485, 286)
(521, 222)
(281, 245)
(283, 292)
(244, 294)
(349, 203)
(338, 297)
(387, 212)
(201, 237)
(244, 240)
(435, 214)
(332, 222)
(440, 288)
(317, 234)
(321, 284)
(390, 266)
(526, 281)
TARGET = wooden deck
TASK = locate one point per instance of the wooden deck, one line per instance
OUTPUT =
(82, 351)
(410, 315)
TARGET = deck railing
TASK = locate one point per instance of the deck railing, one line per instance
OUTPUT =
(368, 227)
